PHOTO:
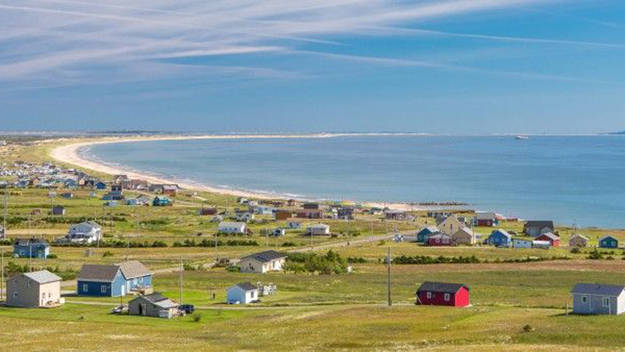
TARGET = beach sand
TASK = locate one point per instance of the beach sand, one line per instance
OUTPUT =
(69, 153)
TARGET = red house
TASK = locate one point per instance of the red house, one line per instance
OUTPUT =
(440, 240)
(443, 294)
(553, 239)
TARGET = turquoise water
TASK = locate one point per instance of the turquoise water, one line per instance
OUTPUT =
(573, 180)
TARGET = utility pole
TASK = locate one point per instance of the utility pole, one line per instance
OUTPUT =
(1, 273)
(4, 223)
(180, 281)
(388, 277)
(30, 255)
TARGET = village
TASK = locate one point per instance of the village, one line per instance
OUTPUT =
(127, 247)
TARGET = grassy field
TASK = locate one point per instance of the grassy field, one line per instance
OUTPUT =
(516, 306)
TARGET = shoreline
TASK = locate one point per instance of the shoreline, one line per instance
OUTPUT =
(71, 154)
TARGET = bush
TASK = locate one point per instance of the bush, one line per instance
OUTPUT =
(233, 269)
(52, 256)
(197, 317)
(330, 263)
(528, 328)
(575, 250)
(107, 254)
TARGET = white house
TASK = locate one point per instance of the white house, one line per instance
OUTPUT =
(85, 232)
(521, 243)
(244, 216)
(232, 227)
(262, 262)
(318, 230)
(34, 289)
(242, 293)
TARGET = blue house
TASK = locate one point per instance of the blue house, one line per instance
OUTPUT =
(34, 248)
(499, 238)
(422, 236)
(100, 185)
(161, 201)
(608, 242)
(113, 280)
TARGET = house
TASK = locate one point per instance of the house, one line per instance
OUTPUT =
(100, 185)
(113, 280)
(521, 243)
(440, 239)
(262, 262)
(58, 210)
(464, 236)
(242, 293)
(345, 213)
(598, 299)
(425, 232)
(578, 240)
(443, 294)
(32, 248)
(34, 290)
(264, 210)
(160, 201)
(282, 214)
(293, 225)
(536, 228)
(227, 227)
(244, 216)
(395, 215)
(554, 240)
(67, 195)
(85, 232)
(309, 213)
(310, 205)
(278, 232)
(169, 190)
(116, 193)
(499, 238)
(318, 230)
(207, 211)
(608, 242)
(486, 219)
(451, 225)
(153, 305)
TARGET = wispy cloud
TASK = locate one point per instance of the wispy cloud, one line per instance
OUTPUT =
(68, 41)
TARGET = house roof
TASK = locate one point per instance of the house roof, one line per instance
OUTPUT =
(608, 236)
(539, 223)
(441, 287)
(231, 224)
(549, 235)
(247, 286)
(98, 272)
(32, 241)
(134, 268)
(598, 289)
(43, 276)
(577, 235)
(266, 256)
(439, 235)
(429, 229)
(159, 300)
(465, 230)
(503, 232)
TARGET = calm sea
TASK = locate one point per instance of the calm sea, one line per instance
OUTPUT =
(573, 180)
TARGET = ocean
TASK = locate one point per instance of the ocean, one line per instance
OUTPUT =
(574, 180)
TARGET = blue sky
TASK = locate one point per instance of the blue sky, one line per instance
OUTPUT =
(448, 66)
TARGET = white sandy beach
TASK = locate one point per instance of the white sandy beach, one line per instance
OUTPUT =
(69, 153)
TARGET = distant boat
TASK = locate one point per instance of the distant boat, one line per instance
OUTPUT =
(521, 138)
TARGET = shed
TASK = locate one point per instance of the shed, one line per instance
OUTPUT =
(554, 240)
(153, 305)
(499, 238)
(578, 240)
(608, 242)
(443, 294)
(242, 293)
(318, 230)
(598, 299)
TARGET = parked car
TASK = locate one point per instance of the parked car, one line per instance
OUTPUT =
(186, 308)
(119, 309)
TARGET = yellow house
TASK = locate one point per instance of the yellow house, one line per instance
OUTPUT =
(451, 225)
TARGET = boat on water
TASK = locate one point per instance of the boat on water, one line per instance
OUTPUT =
(520, 137)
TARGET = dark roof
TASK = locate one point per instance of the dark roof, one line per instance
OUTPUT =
(155, 297)
(32, 241)
(441, 287)
(550, 235)
(98, 272)
(266, 256)
(598, 289)
(247, 286)
(539, 223)
(133, 269)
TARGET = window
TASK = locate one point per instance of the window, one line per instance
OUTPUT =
(446, 297)
(85, 288)
(606, 301)
(429, 295)
(584, 299)
(103, 289)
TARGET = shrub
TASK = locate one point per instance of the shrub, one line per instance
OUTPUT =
(330, 263)
(528, 328)
(107, 254)
(52, 256)
(575, 250)
(196, 317)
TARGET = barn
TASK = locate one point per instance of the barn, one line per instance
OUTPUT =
(443, 294)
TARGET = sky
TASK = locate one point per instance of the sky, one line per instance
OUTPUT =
(446, 66)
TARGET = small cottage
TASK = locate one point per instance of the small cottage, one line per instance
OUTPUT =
(440, 239)
(309, 213)
(227, 227)
(554, 240)
(318, 230)
(262, 262)
(34, 289)
(464, 236)
(521, 243)
(598, 299)
(242, 293)
(113, 280)
(58, 210)
(161, 201)
(608, 242)
(204, 211)
(153, 305)
(282, 214)
(499, 238)
(443, 294)
(486, 219)
(536, 228)
(578, 240)
(31, 248)
(426, 232)
(451, 225)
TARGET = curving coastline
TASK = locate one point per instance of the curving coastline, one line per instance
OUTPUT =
(70, 154)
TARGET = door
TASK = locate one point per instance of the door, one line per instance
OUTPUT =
(123, 287)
